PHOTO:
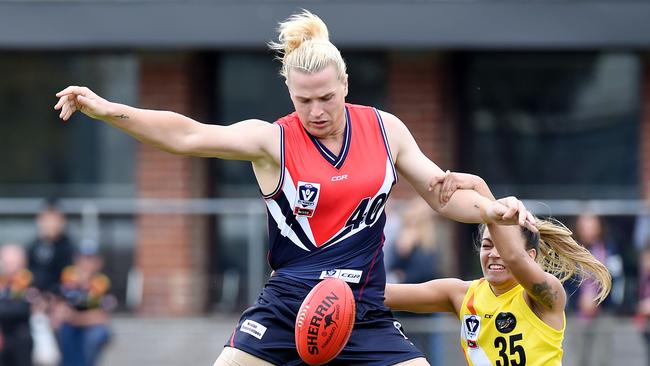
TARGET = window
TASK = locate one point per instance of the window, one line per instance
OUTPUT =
(44, 156)
(552, 125)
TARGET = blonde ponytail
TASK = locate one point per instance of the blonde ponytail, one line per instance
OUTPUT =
(560, 255)
(304, 45)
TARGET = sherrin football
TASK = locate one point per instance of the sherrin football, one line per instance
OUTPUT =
(324, 322)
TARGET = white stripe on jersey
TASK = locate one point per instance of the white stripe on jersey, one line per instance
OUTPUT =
(476, 355)
(289, 191)
(385, 188)
(285, 230)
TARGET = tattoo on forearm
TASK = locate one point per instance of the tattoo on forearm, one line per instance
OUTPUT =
(122, 116)
(543, 293)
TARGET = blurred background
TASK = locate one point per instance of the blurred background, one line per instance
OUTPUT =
(546, 100)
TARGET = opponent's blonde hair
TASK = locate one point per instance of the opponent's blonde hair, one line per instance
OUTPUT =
(562, 256)
(304, 45)
(559, 254)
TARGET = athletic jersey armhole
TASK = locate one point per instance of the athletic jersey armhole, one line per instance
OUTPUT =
(278, 188)
(380, 121)
(538, 322)
(468, 300)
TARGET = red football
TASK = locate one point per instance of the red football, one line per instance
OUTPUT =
(324, 322)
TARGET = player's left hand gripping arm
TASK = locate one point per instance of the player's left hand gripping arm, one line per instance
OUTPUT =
(450, 182)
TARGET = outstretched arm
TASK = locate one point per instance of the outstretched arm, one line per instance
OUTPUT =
(442, 295)
(173, 132)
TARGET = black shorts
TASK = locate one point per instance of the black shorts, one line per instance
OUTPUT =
(266, 330)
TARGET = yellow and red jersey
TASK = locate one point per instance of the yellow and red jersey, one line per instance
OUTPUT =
(503, 330)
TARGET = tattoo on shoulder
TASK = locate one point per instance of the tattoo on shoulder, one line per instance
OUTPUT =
(543, 293)
(122, 116)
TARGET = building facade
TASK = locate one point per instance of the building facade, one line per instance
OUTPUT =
(546, 100)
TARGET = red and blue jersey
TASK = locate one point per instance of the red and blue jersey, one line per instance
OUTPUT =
(326, 217)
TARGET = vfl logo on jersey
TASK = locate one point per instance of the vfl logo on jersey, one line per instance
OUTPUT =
(306, 199)
(471, 327)
(347, 275)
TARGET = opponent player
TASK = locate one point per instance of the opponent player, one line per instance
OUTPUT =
(514, 315)
(325, 171)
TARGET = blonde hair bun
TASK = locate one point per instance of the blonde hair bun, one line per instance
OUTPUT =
(304, 45)
(300, 28)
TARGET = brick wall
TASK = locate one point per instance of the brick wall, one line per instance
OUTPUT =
(418, 93)
(170, 250)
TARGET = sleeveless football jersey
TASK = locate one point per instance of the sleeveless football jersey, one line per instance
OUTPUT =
(326, 217)
(504, 331)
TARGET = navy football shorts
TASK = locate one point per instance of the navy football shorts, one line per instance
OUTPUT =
(266, 330)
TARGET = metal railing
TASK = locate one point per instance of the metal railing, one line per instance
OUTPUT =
(91, 210)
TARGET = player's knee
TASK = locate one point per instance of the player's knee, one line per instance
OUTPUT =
(226, 358)
(234, 357)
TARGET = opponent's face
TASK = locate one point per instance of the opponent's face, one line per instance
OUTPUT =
(319, 99)
(495, 270)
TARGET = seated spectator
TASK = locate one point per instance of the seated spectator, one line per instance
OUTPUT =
(15, 309)
(84, 310)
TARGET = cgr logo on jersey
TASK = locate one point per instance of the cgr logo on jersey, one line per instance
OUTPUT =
(347, 275)
(306, 199)
(471, 328)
